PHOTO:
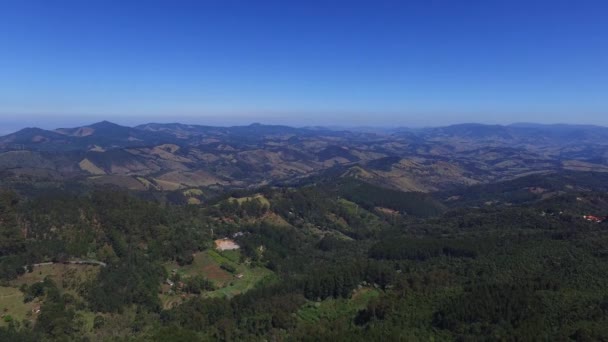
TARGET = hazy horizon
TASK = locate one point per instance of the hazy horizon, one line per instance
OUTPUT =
(11, 126)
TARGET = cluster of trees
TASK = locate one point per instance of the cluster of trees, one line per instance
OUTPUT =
(318, 207)
(518, 191)
(134, 280)
(411, 248)
(12, 242)
(36, 290)
(339, 280)
(132, 236)
(512, 310)
(371, 196)
(247, 208)
(198, 284)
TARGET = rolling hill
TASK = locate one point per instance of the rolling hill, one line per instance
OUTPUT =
(174, 156)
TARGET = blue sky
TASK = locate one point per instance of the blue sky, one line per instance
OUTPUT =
(380, 63)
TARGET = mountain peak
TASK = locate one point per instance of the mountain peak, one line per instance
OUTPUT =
(105, 124)
(30, 130)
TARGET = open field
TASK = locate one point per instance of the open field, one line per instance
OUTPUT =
(208, 264)
(233, 256)
(274, 219)
(127, 182)
(330, 309)
(193, 192)
(66, 276)
(205, 264)
(250, 275)
(259, 197)
(12, 305)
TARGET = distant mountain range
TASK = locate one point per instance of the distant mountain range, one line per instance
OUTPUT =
(180, 156)
(109, 135)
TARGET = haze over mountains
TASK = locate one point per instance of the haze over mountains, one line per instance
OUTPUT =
(177, 156)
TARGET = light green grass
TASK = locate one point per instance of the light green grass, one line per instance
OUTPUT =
(193, 192)
(11, 303)
(233, 256)
(259, 197)
(88, 318)
(208, 264)
(251, 277)
(220, 258)
(331, 309)
(68, 275)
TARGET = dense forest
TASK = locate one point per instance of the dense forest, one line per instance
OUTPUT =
(336, 259)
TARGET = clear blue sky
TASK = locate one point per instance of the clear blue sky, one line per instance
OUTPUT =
(303, 62)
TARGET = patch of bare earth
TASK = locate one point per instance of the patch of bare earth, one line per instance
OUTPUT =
(226, 245)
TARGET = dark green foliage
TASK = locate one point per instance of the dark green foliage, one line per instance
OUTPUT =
(531, 272)
(177, 198)
(370, 196)
(198, 284)
(57, 319)
(421, 249)
(512, 310)
(14, 335)
(332, 243)
(11, 238)
(520, 190)
(336, 151)
(384, 164)
(12, 242)
(377, 310)
(98, 322)
(228, 267)
(136, 280)
(175, 334)
(279, 244)
(36, 290)
(253, 314)
(326, 281)
(321, 208)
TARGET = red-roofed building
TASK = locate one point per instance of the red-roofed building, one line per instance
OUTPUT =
(595, 219)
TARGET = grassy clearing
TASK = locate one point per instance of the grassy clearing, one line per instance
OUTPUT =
(193, 192)
(352, 207)
(331, 309)
(121, 181)
(65, 276)
(167, 185)
(276, 220)
(87, 318)
(251, 277)
(233, 256)
(230, 256)
(208, 264)
(170, 301)
(194, 201)
(259, 197)
(88, 166)
(11, 304)
(146, 183)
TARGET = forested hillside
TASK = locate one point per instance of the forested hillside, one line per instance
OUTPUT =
(331, 259)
